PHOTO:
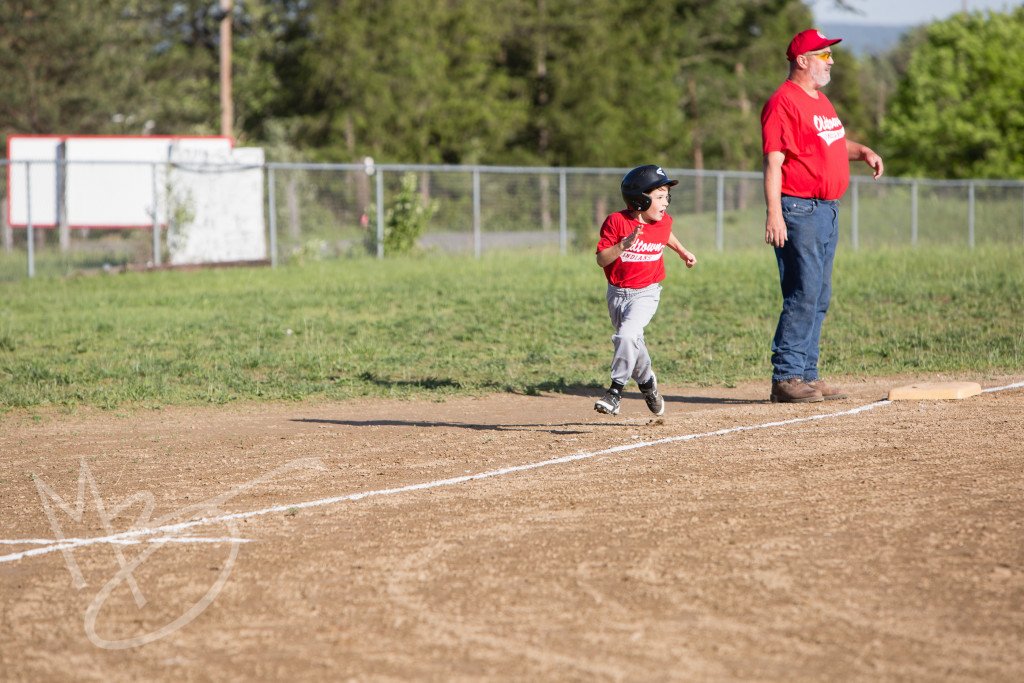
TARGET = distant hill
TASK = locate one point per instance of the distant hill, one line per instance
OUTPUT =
(864, 39)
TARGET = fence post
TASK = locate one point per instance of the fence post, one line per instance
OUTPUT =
(563, 223)
(156, 219)
(855, 219)
(63, 227)
(7, 237)
(970, 214)
(477, 238)
(720, 211)
(913, 213)
(380, 213)
(272, 210)
(30, 237)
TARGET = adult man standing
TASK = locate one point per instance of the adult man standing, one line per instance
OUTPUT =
(806, 170)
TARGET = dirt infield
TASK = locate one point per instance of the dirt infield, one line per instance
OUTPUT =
(519, 538)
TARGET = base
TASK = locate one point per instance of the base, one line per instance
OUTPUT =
(935, 391)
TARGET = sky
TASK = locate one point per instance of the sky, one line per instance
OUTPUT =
(902, 12)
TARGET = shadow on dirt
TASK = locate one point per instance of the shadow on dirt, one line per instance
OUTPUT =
(712, 400)
(552, 387)
(561, 429)
(592, 393)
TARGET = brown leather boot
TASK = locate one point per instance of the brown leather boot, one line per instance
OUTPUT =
(828, 391)
(794, 390)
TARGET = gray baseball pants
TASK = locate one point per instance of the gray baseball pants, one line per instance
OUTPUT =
(631, 310)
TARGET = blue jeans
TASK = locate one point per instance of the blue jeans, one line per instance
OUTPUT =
(805, 273)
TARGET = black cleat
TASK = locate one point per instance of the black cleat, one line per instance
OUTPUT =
(609, 403)
(655, 402)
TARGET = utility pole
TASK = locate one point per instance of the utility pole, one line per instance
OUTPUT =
(227, 110)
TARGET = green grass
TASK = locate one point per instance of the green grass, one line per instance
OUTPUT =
(439, 327)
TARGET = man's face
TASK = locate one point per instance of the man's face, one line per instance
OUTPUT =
(819, 65)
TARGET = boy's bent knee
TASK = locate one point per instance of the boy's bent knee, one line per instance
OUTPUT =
(628, 337)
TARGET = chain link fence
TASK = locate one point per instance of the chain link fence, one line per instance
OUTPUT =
(329, 211)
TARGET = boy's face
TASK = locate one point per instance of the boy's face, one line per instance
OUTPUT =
(659, 203)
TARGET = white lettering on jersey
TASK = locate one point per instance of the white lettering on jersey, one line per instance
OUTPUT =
(830, 136)
(827, 123)
(829, 129)
(643, 251)
(642, 246)
(634, 257)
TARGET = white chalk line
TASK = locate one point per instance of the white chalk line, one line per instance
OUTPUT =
(165, 532)
(1008, 386)
(129, 541)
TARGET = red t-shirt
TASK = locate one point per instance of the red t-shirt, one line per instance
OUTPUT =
(642, 264)
(813, 139)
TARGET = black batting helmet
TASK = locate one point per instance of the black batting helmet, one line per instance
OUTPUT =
(641, 180)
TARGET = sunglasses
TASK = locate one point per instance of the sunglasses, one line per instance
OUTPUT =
(823, 56)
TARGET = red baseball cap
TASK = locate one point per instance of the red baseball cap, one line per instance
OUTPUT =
(808, 41)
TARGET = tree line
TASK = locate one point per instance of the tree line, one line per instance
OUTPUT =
(526, 82)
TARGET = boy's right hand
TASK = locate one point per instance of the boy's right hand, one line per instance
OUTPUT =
(628, 242)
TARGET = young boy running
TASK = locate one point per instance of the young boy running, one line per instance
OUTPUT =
(630, 251)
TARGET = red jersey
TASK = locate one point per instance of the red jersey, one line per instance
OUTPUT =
(813, 139)
(642, 264)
